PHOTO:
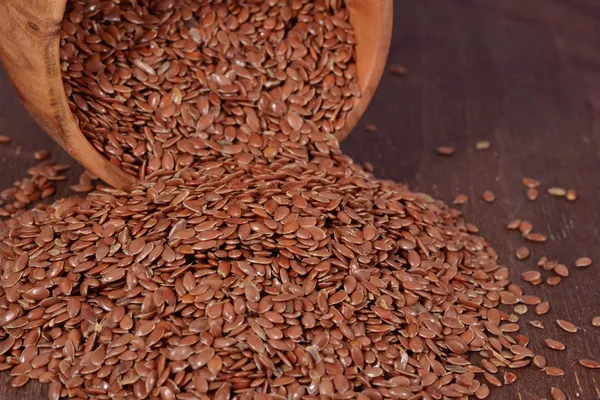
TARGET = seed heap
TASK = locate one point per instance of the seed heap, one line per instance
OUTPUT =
(164, 85)
(253, 256)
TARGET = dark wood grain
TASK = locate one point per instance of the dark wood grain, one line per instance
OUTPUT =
(524, 75)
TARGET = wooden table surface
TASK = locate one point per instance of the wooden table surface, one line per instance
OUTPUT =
(522, 74)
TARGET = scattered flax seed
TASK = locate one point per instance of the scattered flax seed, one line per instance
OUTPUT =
(566, 326)
(550, 265)
(571, 195)
(4, 139)
(537, 324)
(583, 262)
(371, 128)
(530, 182)
(460, 199)
(492, 380)
(509, 378)
(554, 371)
(482, 145)
(555, 344)
(542, 308)
(592, 364)
(553, 280)
(521, 309)
(41, 155)
(542, 261)
(525, 227)
(532, 194)
(512, 318)
(513, 224)
(557, 191)
(561, 270)
(557, 394)
(539, 361)
(531, 276)
(522, 253)
(488, 196)
(535, 237)
(369, 167)
(398, 70)
(596, 321)
(445, 150)
(522, 340)
(530, 300)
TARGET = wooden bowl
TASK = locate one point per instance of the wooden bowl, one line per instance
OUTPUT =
(29, 50)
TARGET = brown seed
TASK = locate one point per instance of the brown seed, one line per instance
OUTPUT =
(460, 199)
(583, 262)
(445, 150)
(531, 194)
(513, 224)
(371, 128)
(397, 70)
(553, 280)
(492, 380)
(530, 182)
(509, 378)
(561, 270)
(596, 321)
(557, 394)
(531, 276)
(4, 139)
(41, 155)
(571, 195)
(542, 308)
(554, 371)
(537, 324)
(535, 237)
(554, 344)
(566, 326)
(525, 227)
(592, 364)
(539, 361)
(522, 253)
(488, 196)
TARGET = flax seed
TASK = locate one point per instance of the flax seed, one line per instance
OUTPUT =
(539, 361)
(554, 371)
(460, 199)
(488, 196)
(397, 70)
(530, 183)
(522, 253)
(542, 308)
(445, 150)
(554, 344)
(566, 326)
(583, 262)
(557, 394)
(531, 194)
(482, 145)
(592, 364)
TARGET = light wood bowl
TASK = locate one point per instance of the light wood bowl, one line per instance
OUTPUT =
(29, 50)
